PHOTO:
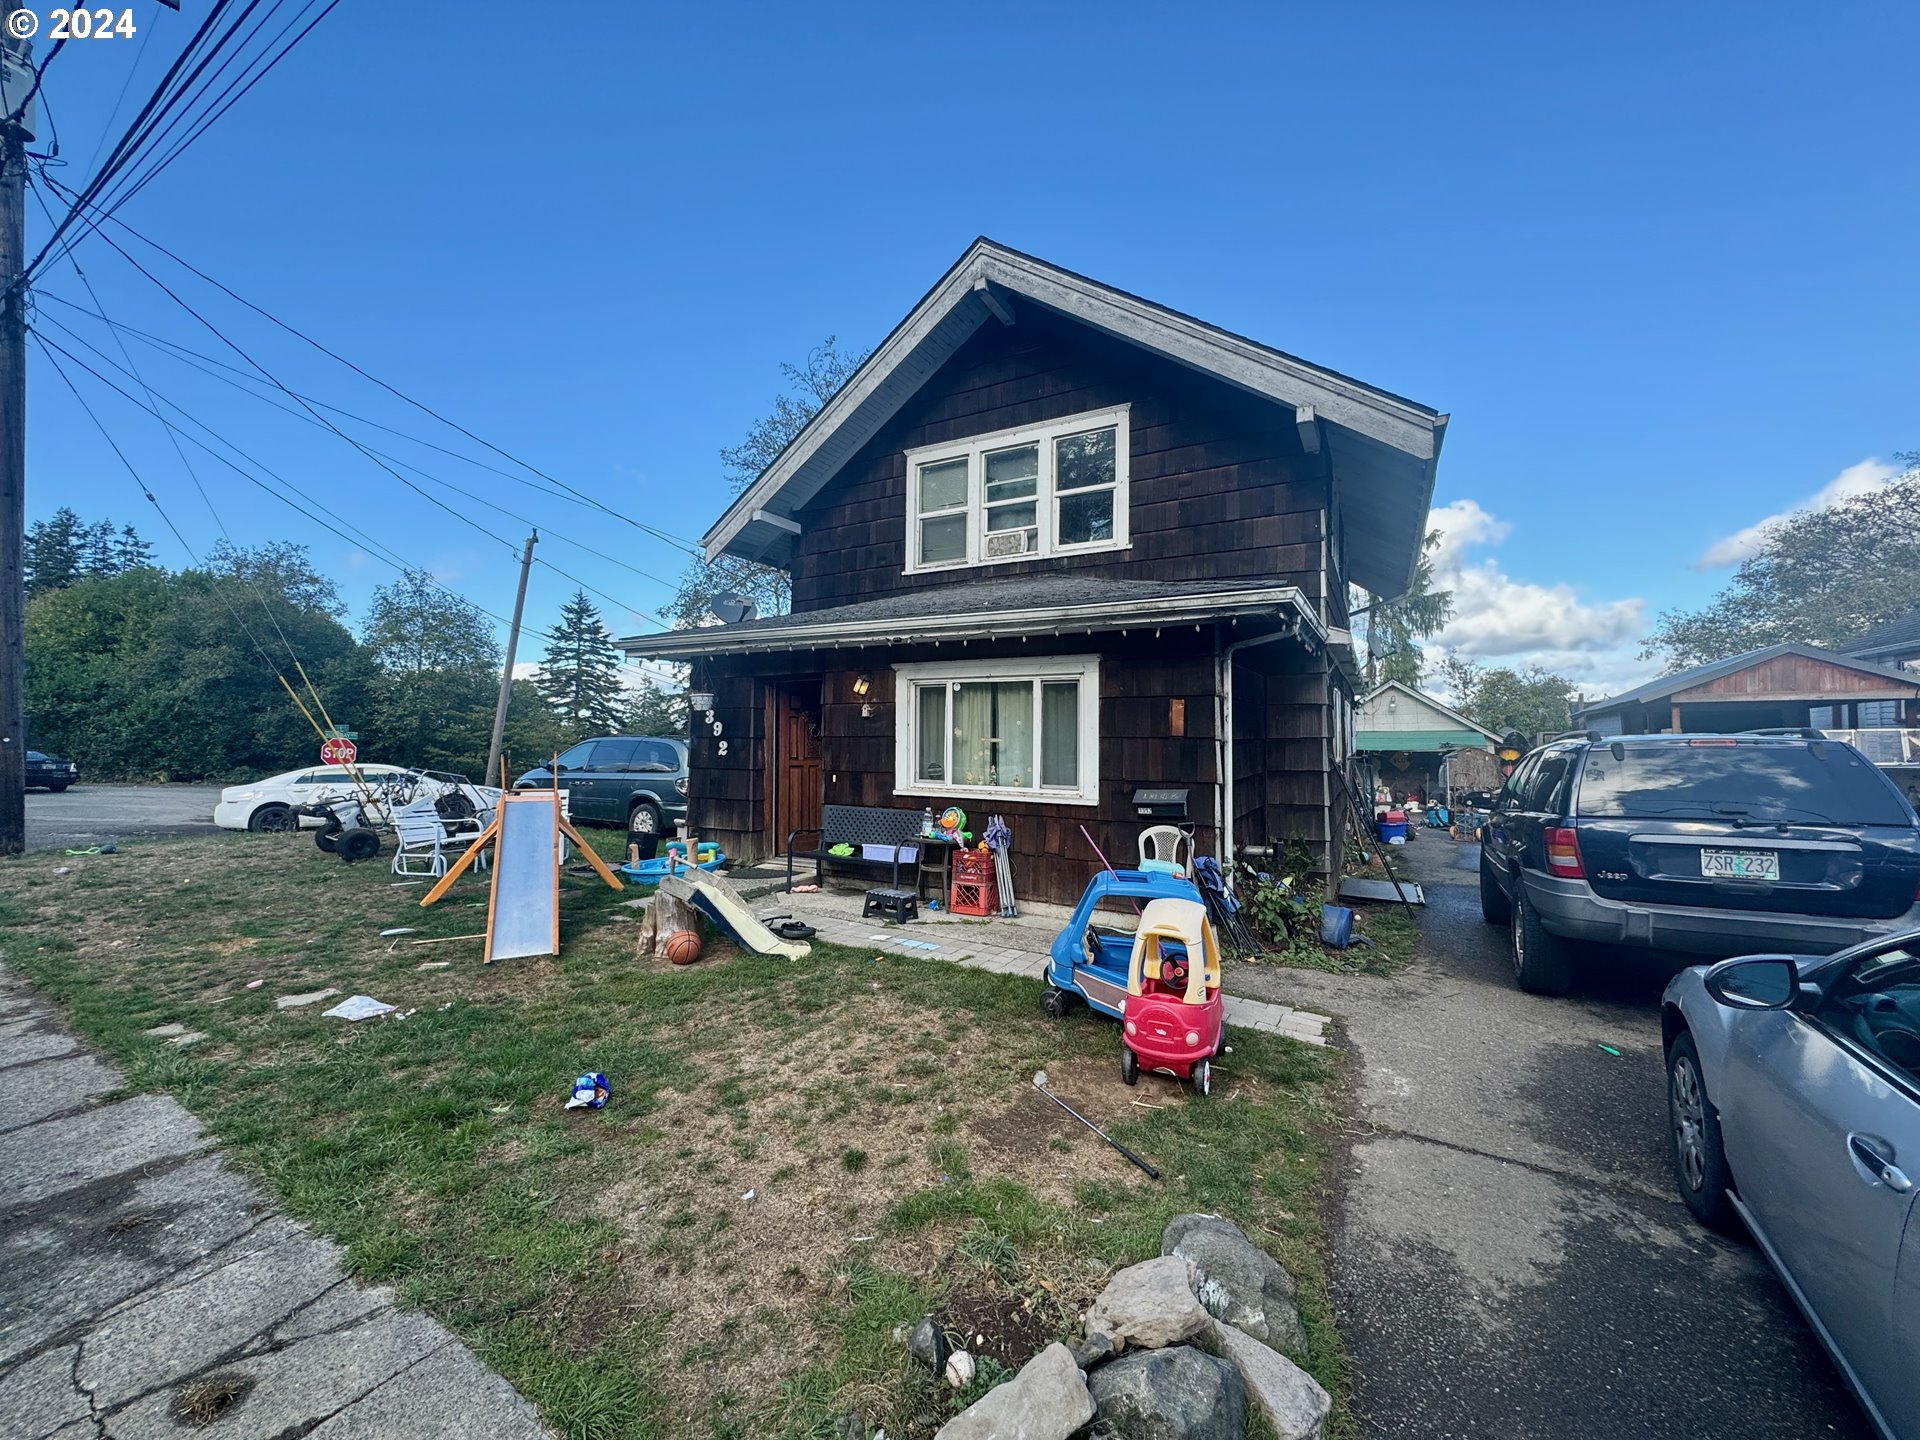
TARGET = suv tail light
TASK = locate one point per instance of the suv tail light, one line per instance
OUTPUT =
(680, 786)
(1563, 854)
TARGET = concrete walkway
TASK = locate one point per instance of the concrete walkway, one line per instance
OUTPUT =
(1006, 947)
(139, 1273)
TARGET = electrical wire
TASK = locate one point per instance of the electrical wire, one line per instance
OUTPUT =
(139, 54)
(584, 498)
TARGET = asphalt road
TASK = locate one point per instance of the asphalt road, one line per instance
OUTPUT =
(1508, 1256)
(94, 814)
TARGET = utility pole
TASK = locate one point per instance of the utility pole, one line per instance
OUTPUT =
(506, 674)
(15, 88)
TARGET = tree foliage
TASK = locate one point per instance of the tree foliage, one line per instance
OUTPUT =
(1532, 700)
(809, 386)
(580, 672)
(63, 548)
(437, 675)
(1820, 577)
(1393, 629)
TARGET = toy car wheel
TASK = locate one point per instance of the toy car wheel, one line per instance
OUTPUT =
(1129, 1065)
(1202, 1078)
(357, 844)
(1057, 1002)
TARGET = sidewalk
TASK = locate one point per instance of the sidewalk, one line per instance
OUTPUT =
(1006, 947)
(145, 1285)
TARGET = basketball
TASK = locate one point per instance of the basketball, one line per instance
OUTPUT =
(683, 947)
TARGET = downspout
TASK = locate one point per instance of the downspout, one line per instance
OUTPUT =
(1224, 730)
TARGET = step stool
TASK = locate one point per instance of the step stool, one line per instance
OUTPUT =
(891, 904)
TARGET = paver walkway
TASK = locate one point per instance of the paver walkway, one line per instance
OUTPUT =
(134, 1262)
(1007, 949)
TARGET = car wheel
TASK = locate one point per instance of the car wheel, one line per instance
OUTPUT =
(1542, 963)
(1057, 1002)
(643, 820)
(1699, 1160)
(453, 806)
(57, 789)
(357, 844)
(1129, 1065)
(272, 820)
(1495, 908)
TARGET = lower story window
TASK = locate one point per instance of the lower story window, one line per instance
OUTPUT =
(983, 727)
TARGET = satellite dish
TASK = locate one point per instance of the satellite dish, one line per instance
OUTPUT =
(730, 608)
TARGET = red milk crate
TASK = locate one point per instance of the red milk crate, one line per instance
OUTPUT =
(974, 865)
(974, 897)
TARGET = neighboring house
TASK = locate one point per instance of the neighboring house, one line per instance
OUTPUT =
(1875, 706)
(1052, 545)
(1895, 643)
(1403, 738)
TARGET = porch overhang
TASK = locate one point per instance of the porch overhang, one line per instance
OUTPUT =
(937, 619)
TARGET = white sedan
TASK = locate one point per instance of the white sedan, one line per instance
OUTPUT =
(269, 805)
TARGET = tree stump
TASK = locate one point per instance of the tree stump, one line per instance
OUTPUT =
(665, 914)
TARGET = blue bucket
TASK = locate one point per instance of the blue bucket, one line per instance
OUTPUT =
(1336, 926)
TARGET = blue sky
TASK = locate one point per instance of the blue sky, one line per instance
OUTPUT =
(1657, 262)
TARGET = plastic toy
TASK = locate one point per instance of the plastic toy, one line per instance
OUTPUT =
(590, 1092)
(1088, 961)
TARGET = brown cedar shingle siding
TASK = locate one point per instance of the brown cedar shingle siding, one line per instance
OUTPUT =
(1220, 486)
(1138, 676)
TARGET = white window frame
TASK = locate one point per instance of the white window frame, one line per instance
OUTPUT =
(1046, 499)
(908, 678)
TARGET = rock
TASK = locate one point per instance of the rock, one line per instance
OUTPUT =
(1291, 1399)
(959, 1370)
(850, 1427)
(1092, 1351)
(928, 1345)
(1047, 1400)
(1175, 1394)
(1149, 1305)
(311, 997)
(1237, 1281)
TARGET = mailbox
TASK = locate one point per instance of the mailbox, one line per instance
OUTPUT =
(1160, 804)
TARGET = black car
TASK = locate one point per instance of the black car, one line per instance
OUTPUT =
(50, 772)
(639, 781)
(1711, 844)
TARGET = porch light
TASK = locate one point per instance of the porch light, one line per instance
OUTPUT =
(862, 683)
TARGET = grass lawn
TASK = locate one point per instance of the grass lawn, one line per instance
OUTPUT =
(798, 1156)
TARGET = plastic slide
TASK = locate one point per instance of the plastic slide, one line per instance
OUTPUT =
(715, 899)
(524, 912)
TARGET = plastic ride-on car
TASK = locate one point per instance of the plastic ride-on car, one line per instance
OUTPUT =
(1094, 963)
(1174, 1018)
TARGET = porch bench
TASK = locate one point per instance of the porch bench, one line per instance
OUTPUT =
(857, 825)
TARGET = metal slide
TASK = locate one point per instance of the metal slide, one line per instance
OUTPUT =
(717, 901)
(524, 913)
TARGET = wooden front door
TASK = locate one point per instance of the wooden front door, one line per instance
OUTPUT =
(797, 787)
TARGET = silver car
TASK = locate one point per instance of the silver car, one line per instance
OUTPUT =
(1793, 1090)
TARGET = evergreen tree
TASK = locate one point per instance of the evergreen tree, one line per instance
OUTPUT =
(1395, 628)
(130, 552)
(52, 552)
(97, 558)
(580, 673)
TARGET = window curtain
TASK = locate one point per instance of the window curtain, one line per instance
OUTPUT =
(993, 733)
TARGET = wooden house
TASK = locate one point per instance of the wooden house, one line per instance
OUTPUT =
(1403, 736)
(1052, 546)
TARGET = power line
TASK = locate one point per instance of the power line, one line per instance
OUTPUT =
(398, 394)
(139, 54)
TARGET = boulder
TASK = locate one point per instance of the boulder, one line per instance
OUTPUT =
(1291, 1399)
(928, 1345)
(1176, 1394)
(1094, 1350)
(1047, 1400)
(1149, 1305)
(1237, 1281)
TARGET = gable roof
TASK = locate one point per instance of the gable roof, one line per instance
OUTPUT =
(1705, 674)
(1427, 700)
(1382, 449)
(1900, 634)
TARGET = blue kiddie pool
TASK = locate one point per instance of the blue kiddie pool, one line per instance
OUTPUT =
(652, 872)
(1089, 958)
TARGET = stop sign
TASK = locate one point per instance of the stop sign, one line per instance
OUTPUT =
(338, 751)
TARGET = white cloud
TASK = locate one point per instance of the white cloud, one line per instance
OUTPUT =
(1868, 475)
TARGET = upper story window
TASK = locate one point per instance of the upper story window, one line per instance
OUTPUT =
(1053, 489)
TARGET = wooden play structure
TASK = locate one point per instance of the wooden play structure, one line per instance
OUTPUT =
(523, 904)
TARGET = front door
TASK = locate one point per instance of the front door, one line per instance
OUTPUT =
(796, 739)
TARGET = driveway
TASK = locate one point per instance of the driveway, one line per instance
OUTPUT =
(1508, 1255)
(94, 814)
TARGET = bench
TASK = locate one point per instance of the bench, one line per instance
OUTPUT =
(858, 825)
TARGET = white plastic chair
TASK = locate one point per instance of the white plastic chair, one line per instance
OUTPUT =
(427, 843)
(1165, 842)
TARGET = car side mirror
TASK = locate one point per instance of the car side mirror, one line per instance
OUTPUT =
(558, 768)
(1755, 982)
